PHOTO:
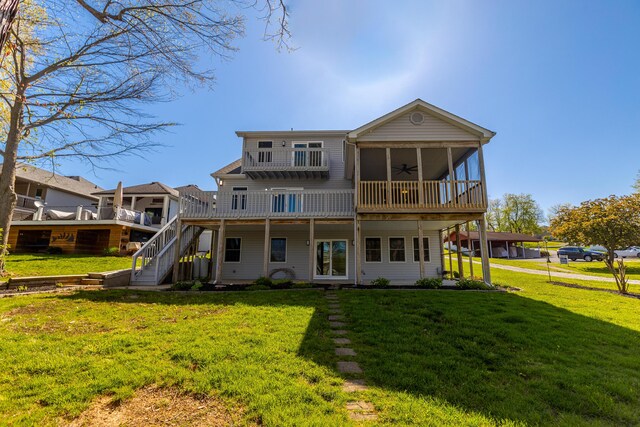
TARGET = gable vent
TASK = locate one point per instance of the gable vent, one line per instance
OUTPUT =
(416, 118)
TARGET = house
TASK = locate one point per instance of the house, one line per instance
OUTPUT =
(74, 215)
(500, 244)
(334, 206)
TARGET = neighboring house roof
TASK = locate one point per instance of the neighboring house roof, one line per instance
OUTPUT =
(150, 188)
(497, 236)
(234, 168)
(188, 187)
(419, 104)
(70, 184)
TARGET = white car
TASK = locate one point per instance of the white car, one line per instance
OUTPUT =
(630, 252)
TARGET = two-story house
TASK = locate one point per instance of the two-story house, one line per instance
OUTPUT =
(343, 206)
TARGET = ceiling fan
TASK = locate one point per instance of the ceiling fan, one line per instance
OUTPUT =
(405, 169)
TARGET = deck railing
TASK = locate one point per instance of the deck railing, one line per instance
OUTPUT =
(446, 195)
(286, 159)
(266, 204)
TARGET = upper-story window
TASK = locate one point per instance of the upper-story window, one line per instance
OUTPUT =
(39, 193)
(309, 153)
(265, 155)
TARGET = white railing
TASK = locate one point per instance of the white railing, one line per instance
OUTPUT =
(26, 202)
(286, 159)
(267, 204)
(158, 254)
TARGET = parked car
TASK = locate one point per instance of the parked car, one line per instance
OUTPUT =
(630, 252)
(576, 252)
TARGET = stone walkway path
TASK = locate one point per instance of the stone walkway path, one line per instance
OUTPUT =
(558, 274)
(358, 410)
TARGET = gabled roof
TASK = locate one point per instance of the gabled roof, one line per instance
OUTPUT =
(70, 184)
(150, 188)
(484, 134)
(188, 187)
(234, 168)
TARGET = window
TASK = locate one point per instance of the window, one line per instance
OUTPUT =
(232, 249)
(239, 200)
(39, 192)
(264, 151)
(416, 249)
(396, 249)
(278, 249)
(372, 249)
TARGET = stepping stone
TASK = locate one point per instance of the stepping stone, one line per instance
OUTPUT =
(354, 385)
(334, 306)
(344, 351)
(361, 411)
(341, 341)
(339, 332)
(335, 317)
(335, 311)
(332, 298)
(337, 324)
(349, 367)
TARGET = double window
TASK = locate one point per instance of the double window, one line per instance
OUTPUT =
(232, 248)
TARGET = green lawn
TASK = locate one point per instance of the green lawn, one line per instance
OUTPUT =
(594, 268)
(545, 355)
(21, 265)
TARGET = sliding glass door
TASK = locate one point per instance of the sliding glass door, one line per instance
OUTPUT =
(331, 259)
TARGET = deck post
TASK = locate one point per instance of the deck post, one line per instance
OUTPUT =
(388, 156)
(483, 178)
(470, 249)
(420, 178)
(421, 248)
(220, 252)
(165, 211)
(459, 252)
(506, 243)
(450, 256)
(441, 245)
(212, 245)
(486, 268)
(356, 193)
(133, 203)
(267, 247)
(454, 197)
(177, 254)
(358, 250)
(312, 231)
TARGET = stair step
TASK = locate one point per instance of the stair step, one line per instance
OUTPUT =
(92, 282)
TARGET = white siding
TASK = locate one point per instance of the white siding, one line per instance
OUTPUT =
(432, 129)
(55, 198)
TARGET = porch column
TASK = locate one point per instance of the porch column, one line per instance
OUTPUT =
(470, 249)
(486, 268)
(220, 252)
(356, 194)
(482, 174)
(177, 254)
(133, 203)
(165, 211)
(421, 248)
(358, 250)
(388, 154)
(212, 245)
(452, 187)
(267, 247)
(312, 232)
(450, 256)
(459, 252)
(420, 185)
(506, 243)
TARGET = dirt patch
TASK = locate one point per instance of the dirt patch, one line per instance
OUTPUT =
(154, 406)
(590, 288)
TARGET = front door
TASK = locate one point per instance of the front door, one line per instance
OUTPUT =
(331, 259)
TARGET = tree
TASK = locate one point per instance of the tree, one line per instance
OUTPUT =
(636, 183)
(514, 213)
(612, 222)
(8, 11)
(78, 73)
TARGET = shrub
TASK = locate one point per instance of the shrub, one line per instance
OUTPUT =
(59, 285)
(301, 285)
(197, 286)
(281, 283)
(263, 281)
(456, 274)
(22, 288)
(380, 282)
(113, 251)
(54, 250)
(257, 287)
(472, 284)
(429, 282)
(181, 286)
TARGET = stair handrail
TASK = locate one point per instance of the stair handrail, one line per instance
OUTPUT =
(189, 233)
(153, 247)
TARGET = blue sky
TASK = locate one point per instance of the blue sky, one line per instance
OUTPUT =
(559, 81)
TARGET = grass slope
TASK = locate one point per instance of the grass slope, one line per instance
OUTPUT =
(20, 265)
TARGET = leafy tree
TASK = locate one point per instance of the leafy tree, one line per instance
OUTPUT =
(612, 222)
(8, 11)
(514, 213)
(77, 74)
(636, 184)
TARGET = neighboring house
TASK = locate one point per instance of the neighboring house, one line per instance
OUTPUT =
(76, 216)
(501, 244)
(343, 206)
